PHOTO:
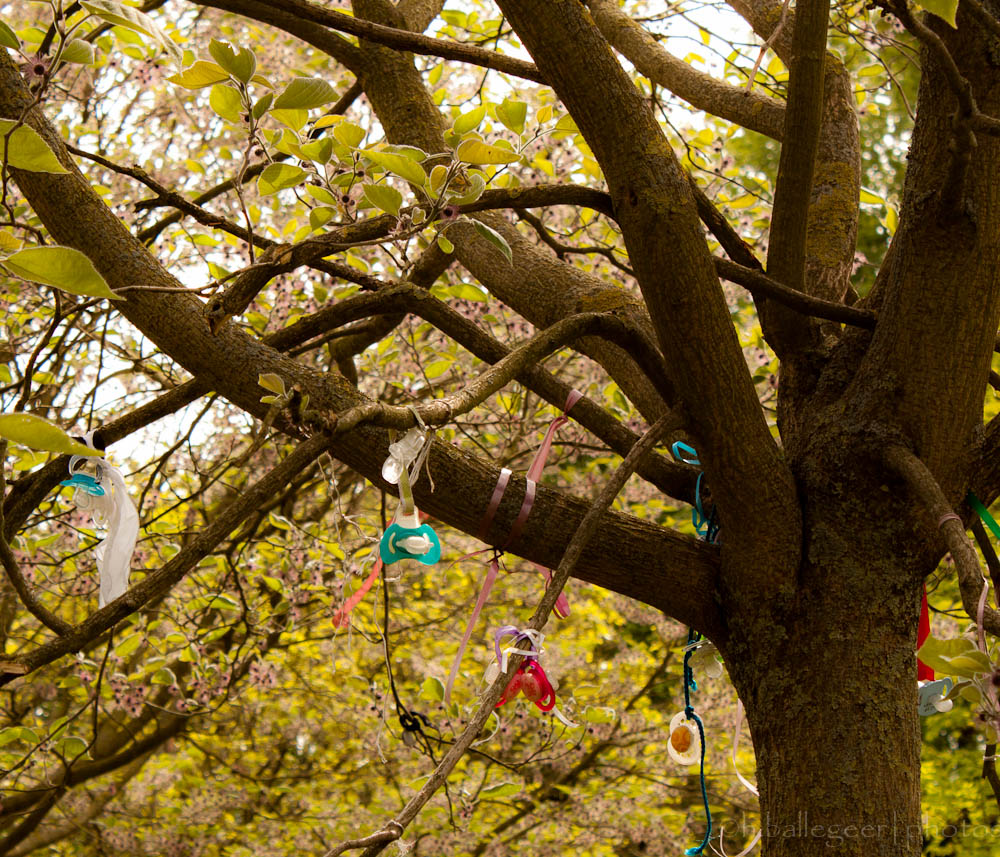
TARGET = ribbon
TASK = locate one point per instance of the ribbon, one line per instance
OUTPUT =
(534, 473)
(106, 497)
(924, 672)
(341, 618)
(484, 593)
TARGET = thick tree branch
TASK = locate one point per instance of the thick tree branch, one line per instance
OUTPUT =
(750, 109)
(925, 488)
(793, 187)
(391, 37)
(675, 271)
(940, 296)
(762, 286)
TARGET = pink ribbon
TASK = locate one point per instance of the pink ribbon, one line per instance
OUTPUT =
(484, 593)
(342, 617)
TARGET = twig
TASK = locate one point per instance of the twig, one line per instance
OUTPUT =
(443, 410)
(761, 285)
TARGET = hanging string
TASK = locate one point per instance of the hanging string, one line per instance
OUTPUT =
(707, 526)
(691, 685)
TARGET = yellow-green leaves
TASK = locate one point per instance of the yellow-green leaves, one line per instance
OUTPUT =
(26, 150)
(478, 152)
(945, 9)
(398, 165)
(304, 93)
(470, 121)
(62, 267)
(384, 197)
(349, 134)
(241, 63)
(200, 75)
(279, 176)
(132, 19)
(495, 238)
(958, 657)
(77, 51)
(8, 38)
(512, 114)
(35, 432)
(226, 101)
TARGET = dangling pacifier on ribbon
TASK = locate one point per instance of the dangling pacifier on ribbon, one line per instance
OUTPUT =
(406, 537)
(530, 678)
(105, 495)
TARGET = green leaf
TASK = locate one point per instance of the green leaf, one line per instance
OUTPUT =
(129, 645)
(349, 134)
(263, 105)
(945, 9)
(164, 676)
(304, 93)
(398, 165)
(36, 432)
(937, 654)
(227, 102)
(437, 368)
(78, 51)
(293, 119)
(512, 114)
(445, 245)
(62, 267)
(384, 197)
(468, 292)
(969, 664)
(132, 19)
(502, 790)
(319, 151)
(9, 39)
(495, 238)
(279, 176)
(200, 75)
(599, 714)
(432, 689)
(71, 746)
(241, 63)
(470, 121)
(272, 382)
(871, 198)
(478, 152)
(477, 184)
(26, 150)
(223, 602)
(971, 694)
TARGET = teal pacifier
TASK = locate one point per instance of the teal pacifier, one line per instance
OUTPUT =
(409, 539)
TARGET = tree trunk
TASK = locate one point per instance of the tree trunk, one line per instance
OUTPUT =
(828, 676)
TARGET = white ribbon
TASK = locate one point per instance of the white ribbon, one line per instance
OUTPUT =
(117, 513)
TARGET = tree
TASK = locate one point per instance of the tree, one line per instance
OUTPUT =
(832, 514)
